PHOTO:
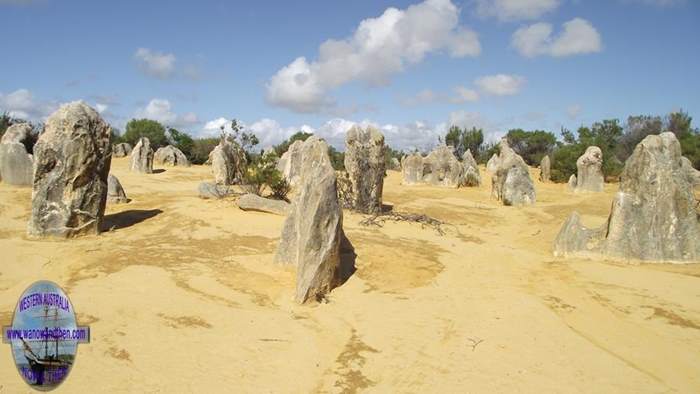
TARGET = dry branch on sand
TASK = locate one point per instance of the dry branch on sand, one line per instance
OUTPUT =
(425, 221)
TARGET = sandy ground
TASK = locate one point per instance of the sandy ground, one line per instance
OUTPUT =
(181, 295)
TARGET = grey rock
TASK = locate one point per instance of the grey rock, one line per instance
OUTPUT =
(572, 182)
(492, 164)
(692, 174)
(170, 156)
(545, 169)
(253, 202)
(115, 191)
(16, 165)
(290, 163)
(394, 164)
(228, 163)
(18, 133)
(590, 173)
(141, 159)
(121, 150)
(210, 190)
(313, 230)
(71, 164)
(365, 164)
(653, 216)
(412, 169)
(472, 176)
(511, 183)
(441, 168)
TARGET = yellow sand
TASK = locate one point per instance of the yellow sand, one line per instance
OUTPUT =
(182, 295)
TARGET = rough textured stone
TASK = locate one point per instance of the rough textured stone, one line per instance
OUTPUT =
(290, 163)
(16, 165)
(511, 183)
(121, 150)
(253, 202)
(210, 190)
(545, 169)
(572, 182)
(472, 177)
(590, 173)
(653, 215)
(492, 164)
(690, 171)
(412, 169)
(72, 159)
(365, 164)
(115, 191)
(313, 230)
(171, 156)
(18, 133)
(394, 164)
(441, 168)
(228, 163)
(141, 159)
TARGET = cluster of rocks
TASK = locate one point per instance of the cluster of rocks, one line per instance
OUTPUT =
(653, 215)
(510, 180)
(121, 150)
(365, 165)
(440, 168)
(313, 230)
(141, 158)
(228, 162)
(170, 156)
(71, 165)
(16, 164)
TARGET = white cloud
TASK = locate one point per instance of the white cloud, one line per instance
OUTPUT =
(423, 97)
(463, 95)
(22, 104)
(379, 48)
(100, 108)
(161, 110)
(500, 84)
(658, 3)
(510, 10)
(578, 37)
(155, 64)
(466, 119)
(574, 111)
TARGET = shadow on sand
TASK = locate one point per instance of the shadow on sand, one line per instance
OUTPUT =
(158, 170)
(347, 260)
(128, 218)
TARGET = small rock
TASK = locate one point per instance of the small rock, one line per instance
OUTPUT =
(253, 202)
(115, 191)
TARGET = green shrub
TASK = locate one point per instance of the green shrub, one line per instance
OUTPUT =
(263, 173)
(201, 147)
(154, 131)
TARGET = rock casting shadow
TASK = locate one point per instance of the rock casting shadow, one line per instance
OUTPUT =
(128, 218)
(347, 260)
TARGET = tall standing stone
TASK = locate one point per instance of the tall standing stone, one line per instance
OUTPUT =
(472, 177)
(653, 216)
(141, 159)
(511, 183)
(492, 164)
(290, 163)
(313, 230)
(121, 150)
(572, 182)
(228, 163)
(590, 173)
(545, 169)
(412, 169)
(71, 165)
(365, 165)
(16, 165)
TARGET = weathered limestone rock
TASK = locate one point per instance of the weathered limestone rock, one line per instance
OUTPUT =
(115, 191)
(71, 165)
(365, 165)
(170, 156)
(572, 182)
(313, 230)
(141, 159)
(472, 177)
(228, 163)
(253, 202)
(121, 150)
(412, 169)
(210, 190)
(653, 215)
(692, 174)
(545, 169)
(590, 173)
(511, 182)
(290, 163)
(15, 163)
(442, 168)
(492, 164)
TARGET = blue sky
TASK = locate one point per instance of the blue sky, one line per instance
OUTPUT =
(411, 68)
